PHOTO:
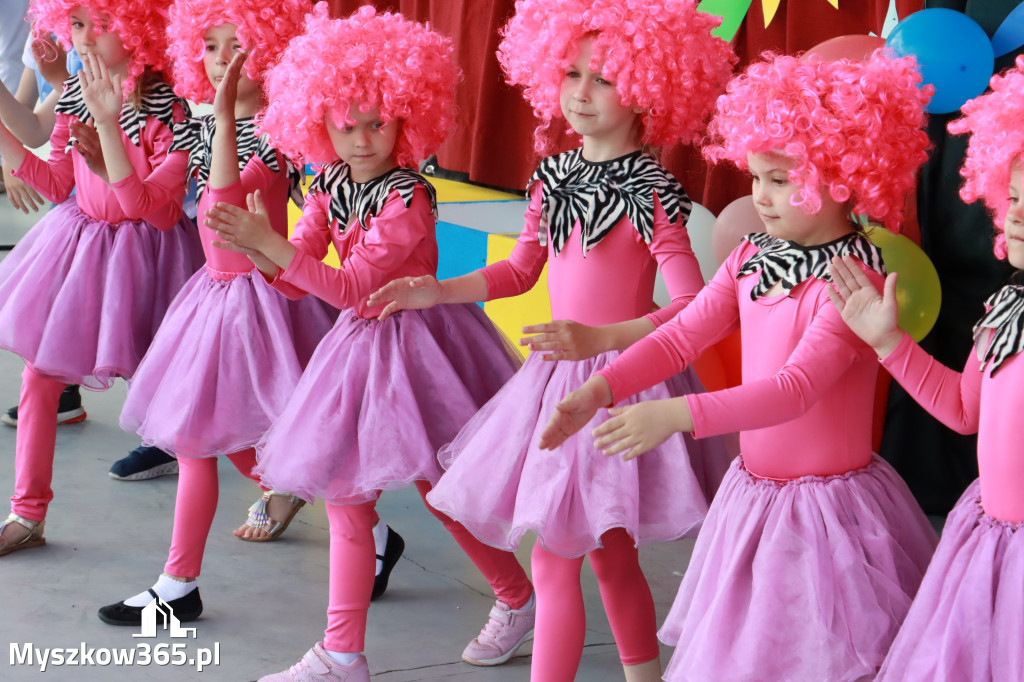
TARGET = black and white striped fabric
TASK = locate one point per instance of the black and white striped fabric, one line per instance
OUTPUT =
(780, 261)
(1005, 319)
(195, 136)
(158, 101)
(365, 199)
(600, 194)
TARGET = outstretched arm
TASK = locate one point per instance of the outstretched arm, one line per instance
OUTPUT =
(871, 316)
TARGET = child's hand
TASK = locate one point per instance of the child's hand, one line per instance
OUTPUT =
(638, 428)
(101, 90)
(87, 143)
(575, 410)
(872, 317)
(227, 89)
(407, 293)
(243, 231)
(21, 195)
(51, 61)
(565, 340)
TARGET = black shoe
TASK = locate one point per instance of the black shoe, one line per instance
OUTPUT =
(143, 463)
(187, 608)
(393, 548)
(69, 409)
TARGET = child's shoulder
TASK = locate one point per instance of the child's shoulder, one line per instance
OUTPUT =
(367, 199)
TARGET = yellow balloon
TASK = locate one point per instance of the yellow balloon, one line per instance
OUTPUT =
(918, 292)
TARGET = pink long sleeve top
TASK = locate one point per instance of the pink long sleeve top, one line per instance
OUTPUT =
(397, 239)
(976, 400)
(613, 280)
(152, 193)
(805, 404)
(260, 168)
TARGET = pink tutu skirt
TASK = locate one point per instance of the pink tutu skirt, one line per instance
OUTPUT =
(223, 365)
(500, 485)
(799, 581)
(81, 299)
(379, 398)
(967, 622)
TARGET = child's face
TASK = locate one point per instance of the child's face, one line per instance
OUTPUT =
(221, 46)
(1013, 227)
(89, 38)
(591, 104)
(367, 144)
(773, 192)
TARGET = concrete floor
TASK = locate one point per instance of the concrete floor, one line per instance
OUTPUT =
(265, 603)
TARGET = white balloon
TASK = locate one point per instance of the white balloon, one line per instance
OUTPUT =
(699, 227)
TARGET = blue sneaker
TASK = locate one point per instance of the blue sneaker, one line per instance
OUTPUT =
(143, 463)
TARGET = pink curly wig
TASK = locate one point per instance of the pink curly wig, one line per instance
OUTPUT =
(264, 30)
(659, 53)
(995, 121)
(375, 60)
(140, 25)
(855, 127)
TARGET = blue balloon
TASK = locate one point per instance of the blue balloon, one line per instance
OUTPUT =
(953, 53)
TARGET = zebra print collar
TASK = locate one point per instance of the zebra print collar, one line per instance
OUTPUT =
(195, 136)
(365, 199)
(158, 101)
(791, 264)
(1005, 319)
(600, 194)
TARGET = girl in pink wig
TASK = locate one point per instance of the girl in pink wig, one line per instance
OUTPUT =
(84, 292)
(603, 217)
(966, 622)
(370, 96)
(230, 349)
(814, 547)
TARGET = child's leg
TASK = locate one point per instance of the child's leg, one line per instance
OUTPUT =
(352, 569)
(194, 509)
(628, 602)
(34, 445)
(272, 513)
(561, 618)
(500, 567)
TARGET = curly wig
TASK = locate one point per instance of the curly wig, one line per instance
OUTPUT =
(263, 30)
(995, 121)
(141, 26)
(855, 127)
(659, 53)
(374, 60)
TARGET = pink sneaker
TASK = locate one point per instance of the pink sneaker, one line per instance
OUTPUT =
(505, 632)
(318, 666)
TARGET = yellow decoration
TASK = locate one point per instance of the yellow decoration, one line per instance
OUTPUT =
(918, 292)
(512, 314)
(770, 7)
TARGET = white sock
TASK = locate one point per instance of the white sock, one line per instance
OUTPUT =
(342, 658)
(380, 541)
(167, 587)
(528, 605)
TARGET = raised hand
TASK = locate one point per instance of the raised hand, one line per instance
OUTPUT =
(872, 316)
(101, 90)
(565, 340)
(227, 89)
(87, 143)
(575, 410)
(51, 61)
(635, 429)
(244, 231)
(407, 293)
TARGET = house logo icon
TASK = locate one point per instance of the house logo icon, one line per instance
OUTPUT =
(170, 622)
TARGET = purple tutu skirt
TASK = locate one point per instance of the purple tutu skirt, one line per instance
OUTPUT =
(967, 622)
(379, 399)
(500, 485)
(81, 299)
(223, 365)
(799, 581)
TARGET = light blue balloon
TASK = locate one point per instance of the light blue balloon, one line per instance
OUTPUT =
(953, 53)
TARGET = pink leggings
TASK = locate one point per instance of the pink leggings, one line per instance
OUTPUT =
(194, 508)
(34, 444)
(353, 565)
(561, 619)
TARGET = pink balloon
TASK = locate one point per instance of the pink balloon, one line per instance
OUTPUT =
(857, 47)
(736, 220)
